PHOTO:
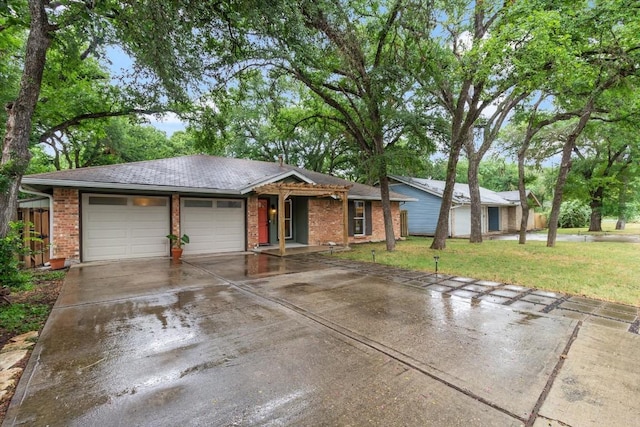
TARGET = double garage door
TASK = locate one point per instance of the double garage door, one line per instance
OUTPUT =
(125, 226)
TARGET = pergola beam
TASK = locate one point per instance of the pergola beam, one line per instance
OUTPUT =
(284, 190)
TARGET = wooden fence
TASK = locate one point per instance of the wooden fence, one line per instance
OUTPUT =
(36, 222)
(404, 223)
(540, 221)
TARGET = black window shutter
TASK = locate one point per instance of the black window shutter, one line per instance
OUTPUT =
(352, 213)
(368, 227)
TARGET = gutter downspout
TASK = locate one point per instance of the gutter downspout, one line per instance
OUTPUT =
(50, 197)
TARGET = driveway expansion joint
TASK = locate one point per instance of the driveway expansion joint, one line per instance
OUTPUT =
(555, 304)
(428, 279)
(554, 374)
(520, 296)
(396, 355)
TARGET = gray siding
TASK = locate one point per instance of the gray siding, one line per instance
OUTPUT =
(423, 214)
(301, 220)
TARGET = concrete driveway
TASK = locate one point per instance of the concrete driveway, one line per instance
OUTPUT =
(247, 340)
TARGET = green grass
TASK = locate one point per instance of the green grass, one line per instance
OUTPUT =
(45, 275)
(20, 318)
(605, 271)
(608, 227)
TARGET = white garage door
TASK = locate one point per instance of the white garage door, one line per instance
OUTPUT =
(213, 225)
(119, 226)
(460, 218)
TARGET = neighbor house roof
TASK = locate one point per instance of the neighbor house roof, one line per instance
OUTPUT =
(461, 194)
(514, 196)
(200, 174)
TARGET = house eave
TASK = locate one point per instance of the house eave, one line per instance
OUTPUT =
(421, 187)
(378, 199)
(50, 183)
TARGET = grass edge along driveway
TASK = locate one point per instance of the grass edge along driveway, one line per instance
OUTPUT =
(602, 270)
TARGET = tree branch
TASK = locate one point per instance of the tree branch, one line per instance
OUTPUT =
(61, 127)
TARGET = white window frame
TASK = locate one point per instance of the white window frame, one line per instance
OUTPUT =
(288, 220)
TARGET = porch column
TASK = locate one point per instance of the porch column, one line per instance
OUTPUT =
(345, 220)
(281, 197)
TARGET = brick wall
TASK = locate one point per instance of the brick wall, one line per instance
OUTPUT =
(377, 218)
(175, 214)
(66, 223)
(325, 222)
(252, 222)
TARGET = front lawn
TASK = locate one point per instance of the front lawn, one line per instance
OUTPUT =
(605, 271)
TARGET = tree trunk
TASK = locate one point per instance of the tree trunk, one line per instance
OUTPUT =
(595, 221)
(386, 210)
(476, 203)
(442, 228)
(15, 149)
(622, 205)
(524, 202)
(565, 166)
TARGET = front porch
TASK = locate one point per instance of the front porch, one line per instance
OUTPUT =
(288, 213)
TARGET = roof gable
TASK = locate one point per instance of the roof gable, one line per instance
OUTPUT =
(514, 196)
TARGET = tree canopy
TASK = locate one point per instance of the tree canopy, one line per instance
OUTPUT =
(360, 89)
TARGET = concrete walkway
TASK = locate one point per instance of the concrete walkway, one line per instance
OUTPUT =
(617, 316)
(311, 340)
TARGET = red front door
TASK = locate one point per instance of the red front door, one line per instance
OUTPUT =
(263, 221)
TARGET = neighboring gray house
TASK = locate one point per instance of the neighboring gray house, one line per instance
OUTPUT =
(423, 214)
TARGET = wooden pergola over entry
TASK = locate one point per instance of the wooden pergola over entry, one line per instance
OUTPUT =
(284, 190)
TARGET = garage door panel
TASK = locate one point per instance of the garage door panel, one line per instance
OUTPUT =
(104, 252)
(124, 230)
(147, 250)
(104, 234)
(213, 225)
(105, 218)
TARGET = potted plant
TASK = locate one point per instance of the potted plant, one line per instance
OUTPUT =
(57, 262)
(176, 245)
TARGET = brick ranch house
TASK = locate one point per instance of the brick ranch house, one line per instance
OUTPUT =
(222, 204)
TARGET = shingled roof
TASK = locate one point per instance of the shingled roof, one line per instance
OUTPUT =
(461, 193)
(199, 174)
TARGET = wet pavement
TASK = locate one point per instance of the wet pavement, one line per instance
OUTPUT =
(618, 316)
(247, 340)
(589, 237)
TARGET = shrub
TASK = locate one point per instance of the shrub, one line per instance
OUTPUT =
(11, 247)
(574, 214)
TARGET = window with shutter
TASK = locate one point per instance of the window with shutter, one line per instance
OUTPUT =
(360, 223)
